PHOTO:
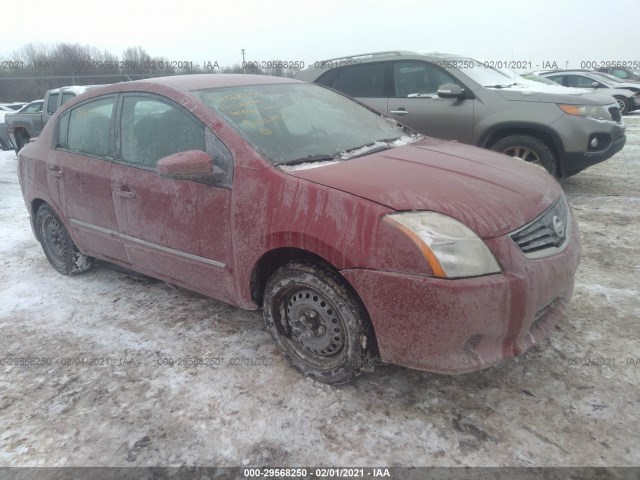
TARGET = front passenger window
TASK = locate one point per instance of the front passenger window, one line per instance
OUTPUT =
(413, 79)
(152, 129)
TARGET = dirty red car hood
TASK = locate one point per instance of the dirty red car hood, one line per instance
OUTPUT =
(489, 192)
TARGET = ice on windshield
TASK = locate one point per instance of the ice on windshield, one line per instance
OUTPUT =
(294, 123)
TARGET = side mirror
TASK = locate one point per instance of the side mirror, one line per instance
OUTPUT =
(450, 90)
(596, 85)
(190, 165)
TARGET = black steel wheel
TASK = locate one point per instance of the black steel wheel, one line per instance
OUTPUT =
(529, 149)
(58, 247)
(318, 322)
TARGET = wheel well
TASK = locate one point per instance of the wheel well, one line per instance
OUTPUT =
(539, 134)
(21, 130)
(273, 260)
(35, 205)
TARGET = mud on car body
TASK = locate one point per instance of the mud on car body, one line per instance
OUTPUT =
(359, 238)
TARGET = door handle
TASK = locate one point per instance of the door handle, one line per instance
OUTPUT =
(55, 171)
(124, 193)
(399, 112)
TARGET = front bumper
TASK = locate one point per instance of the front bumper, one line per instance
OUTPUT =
(575, 162)
(463, 325)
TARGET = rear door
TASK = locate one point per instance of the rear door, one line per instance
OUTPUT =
(414, 102)
(79, 176)
(174, 228)
(367, 82)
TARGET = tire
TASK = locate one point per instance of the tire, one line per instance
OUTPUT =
(58, 247)
(529, 149)
(318, 322)
(21, 140)
(623, 103)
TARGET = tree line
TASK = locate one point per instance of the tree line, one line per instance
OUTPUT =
(35, 68)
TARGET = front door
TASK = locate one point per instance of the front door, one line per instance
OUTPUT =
(178, 229)
(415, 102)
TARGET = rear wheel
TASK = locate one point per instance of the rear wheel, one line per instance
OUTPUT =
(623, 104)
(58, 247)
(22, 138)
(317, 322)
(529, 149)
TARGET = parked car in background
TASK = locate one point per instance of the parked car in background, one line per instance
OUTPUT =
(26, 125)
(622, 73)
(11, 107)
(627, 99)
(358, 238)
(462, 99)
(5, 140)
(32, 107)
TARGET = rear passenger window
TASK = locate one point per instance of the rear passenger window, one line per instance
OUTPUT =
(362, 80)
(89, 127)
(152, 129)
(557, 78)
(580, 81)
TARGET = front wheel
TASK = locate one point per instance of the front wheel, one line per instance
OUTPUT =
(529, 149)
(623, 104)
(317, 322)
(58, 247)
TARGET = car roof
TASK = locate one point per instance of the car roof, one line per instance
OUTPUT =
(213, 80)
(373, 56)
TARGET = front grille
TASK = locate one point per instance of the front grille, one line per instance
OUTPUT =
(546, 234)
(615, 114)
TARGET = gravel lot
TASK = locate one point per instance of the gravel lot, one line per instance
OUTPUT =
(574, 400)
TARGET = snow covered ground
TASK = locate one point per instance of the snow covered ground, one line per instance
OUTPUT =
(126, 405)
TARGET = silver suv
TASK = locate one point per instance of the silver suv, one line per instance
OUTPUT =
(458, 98)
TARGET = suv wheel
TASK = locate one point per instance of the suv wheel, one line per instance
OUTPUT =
(623, 104)
(529, 149)
(60, 250)
(317, 322)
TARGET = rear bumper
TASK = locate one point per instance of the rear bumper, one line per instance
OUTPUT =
(459, 326)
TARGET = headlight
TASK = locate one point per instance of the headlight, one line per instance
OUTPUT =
(594, 111)
(450, 248)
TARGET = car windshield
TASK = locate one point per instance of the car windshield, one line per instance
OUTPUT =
(297, 123)
(486, 76)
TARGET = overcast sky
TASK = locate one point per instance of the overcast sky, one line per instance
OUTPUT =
(532, 31)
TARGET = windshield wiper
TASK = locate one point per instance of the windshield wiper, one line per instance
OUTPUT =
(309, 159)
(366, 151)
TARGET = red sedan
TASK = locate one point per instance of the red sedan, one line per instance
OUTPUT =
(360, 239)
